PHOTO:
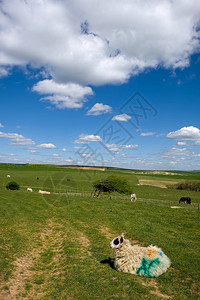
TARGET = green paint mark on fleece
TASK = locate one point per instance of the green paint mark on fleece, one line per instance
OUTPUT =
(147, 267)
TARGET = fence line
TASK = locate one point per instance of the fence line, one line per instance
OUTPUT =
(193, 206)
(166, 203)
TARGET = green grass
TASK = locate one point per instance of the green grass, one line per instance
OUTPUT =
(61, 242)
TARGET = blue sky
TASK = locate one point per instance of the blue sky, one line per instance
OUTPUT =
(124, 92)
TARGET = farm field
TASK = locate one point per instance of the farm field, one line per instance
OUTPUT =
(57, 246)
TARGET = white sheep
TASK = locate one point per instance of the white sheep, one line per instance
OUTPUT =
(44, 192)
(8, 176)
(144, 261)
(133, 197)
(29, 190)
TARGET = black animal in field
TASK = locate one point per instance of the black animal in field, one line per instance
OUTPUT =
(185, 199)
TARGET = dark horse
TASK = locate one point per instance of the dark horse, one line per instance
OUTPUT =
(185, 199)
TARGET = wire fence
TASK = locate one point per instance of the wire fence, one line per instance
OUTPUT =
(165, 203)
(125, 198)
(170, 203)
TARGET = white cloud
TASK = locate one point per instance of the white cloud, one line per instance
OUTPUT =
(147, 133)
(86, 138)
(69, 40)
(32, 151)
(130, 146)
(86, 155)
(1, 126)
(186, 133)
(68, 95)
(181, 143)
(99, 109)
(46, 146)
(174, 152)
(3, 72)
(121, 118)
(63, 149)
(69, 161)
(17, 139)
(118, 148)
(79, 148)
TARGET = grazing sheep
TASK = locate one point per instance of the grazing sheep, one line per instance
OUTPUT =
(29, 190)
(133, 197)
(144, 261)
(185, 199)
(44, 192)
(8, 176)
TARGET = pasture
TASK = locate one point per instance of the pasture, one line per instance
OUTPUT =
(57, 246)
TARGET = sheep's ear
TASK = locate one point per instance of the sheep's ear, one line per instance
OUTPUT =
(122, 238)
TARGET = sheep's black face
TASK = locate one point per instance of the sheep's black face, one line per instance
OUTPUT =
(116, 242)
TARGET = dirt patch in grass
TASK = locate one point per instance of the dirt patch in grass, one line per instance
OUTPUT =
(82, 224)
(85, 243)
(47, 253)
(153, 284)
(107, 233)
(16, 283)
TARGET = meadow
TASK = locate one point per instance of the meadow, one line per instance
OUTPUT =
(57, 246)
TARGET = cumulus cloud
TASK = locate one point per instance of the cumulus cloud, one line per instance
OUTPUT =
(46, 146)
(69, 40)
(118, 148)
(174, 152)
(17, 139)
(87, 138)
(186, 133)
(121, 118)
(99, 109)
(68, 95)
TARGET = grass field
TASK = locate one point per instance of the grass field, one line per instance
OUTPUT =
(57, 246)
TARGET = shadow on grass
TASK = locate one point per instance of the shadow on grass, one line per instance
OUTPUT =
(109, 261)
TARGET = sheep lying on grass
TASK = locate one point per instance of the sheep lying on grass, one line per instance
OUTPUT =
(44, 192)
(144, 261)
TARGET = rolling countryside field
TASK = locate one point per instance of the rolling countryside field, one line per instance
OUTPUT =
(57, 246)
